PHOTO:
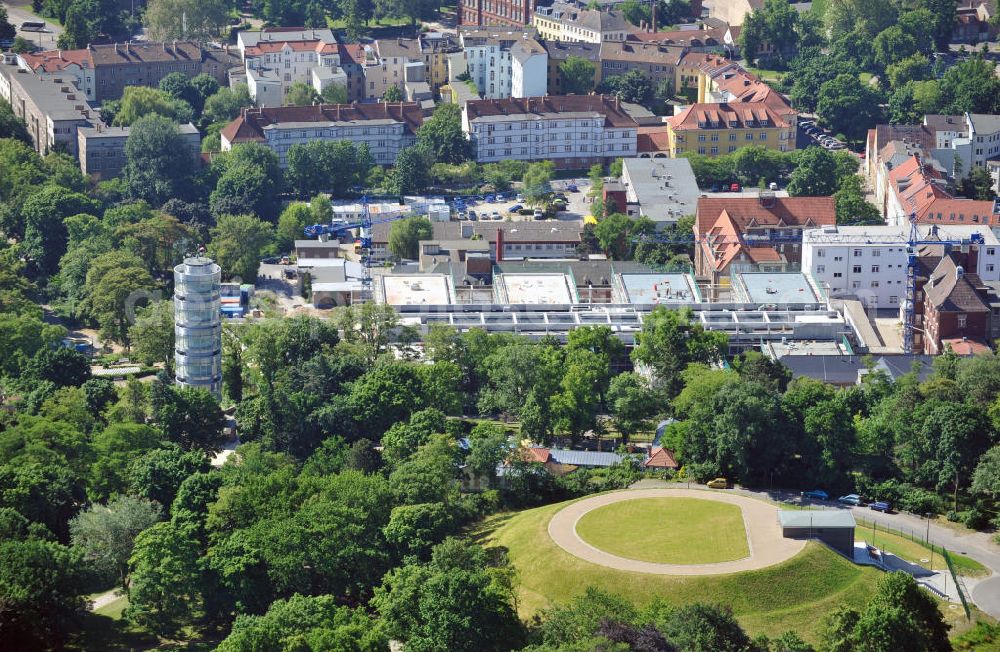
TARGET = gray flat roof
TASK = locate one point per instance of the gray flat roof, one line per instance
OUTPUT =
(826, 518)
(48, 94)
(659, 288)
(665, 188)
(769, 287)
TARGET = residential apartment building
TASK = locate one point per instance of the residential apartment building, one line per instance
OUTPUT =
(512, 13)
(101, 72)
(975, 22)
(918, 190)
(565, 21)
(656, 61)
(272, 68)
(434, 50)
(386, 128)
(560, 51)
(504, 63)
(52, 108)
(715, 129)
(574, 131)
(707, 39)
(732, 12)
(763, 234)
(75, 65)
(102, 149)
(957, 308)
(135, 63)
(869, 263)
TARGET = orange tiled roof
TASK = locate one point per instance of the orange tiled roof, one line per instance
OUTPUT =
(920, 189)
(727, 116)
(56, 60)
(965, 346)
(268, 47)
(801, 212)
(250, 125)
(661, 458)
(653, 139)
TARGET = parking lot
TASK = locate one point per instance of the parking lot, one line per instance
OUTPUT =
(812, 134)
(497, 207)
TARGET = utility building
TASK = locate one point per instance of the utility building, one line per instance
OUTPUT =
(198, 324)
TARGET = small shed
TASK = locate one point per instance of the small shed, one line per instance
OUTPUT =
(835, 528)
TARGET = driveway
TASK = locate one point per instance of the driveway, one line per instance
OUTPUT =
(19, 12)
(976, 545)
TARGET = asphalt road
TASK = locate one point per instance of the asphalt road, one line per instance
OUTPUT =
(20, 12)
(976, 545)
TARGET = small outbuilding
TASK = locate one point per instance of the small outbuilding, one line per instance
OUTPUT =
(835, 528)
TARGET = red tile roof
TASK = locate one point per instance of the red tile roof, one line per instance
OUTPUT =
(536, 454)
(267, 47)
(661, 458)
(653, 139)
(965, 346)
(921, 189)
(607, 105)
(56, 60)
(250, 125)
(727, 116)
(752, 212)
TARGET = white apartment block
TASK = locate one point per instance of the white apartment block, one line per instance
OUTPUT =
(574, 131)
(281, 59)
(385, 128)
(505, 63)
(565, 21)
(869, 262)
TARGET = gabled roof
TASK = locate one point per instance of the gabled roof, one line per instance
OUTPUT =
(951, 290)
(653, 139)
(250, 125)
(727, 116)
(607, 105)
(793, 211)
(268, 47)
(660, 458)
(145, 52)
(57, 60)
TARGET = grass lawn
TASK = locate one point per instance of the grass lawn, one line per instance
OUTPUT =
(667, 530)
(114, 608)
(795, 594)
(915, 551)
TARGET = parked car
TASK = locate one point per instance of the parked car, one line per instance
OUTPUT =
(488, 199)
(572, 187)
(519, 198)
(495, 215)
(515, 208)
(718, 483)
(880, 506)
(816, 494)
(850, 499)
(538, 214)
(472, 215)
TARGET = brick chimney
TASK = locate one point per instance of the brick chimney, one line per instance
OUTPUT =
(499, 245)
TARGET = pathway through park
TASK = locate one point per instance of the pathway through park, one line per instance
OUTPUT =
(767, 546)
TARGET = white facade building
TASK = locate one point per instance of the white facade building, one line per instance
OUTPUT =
(198, 325)
(571, 130)
(271, 68)
(491, 63)
(869, 262)
(385, 128)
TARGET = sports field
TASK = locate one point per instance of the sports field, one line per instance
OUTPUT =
(667, 530)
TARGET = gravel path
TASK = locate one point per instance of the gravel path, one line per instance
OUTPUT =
(767, 547)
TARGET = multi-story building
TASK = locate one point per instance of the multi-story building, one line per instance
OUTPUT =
(869, 262)
(102, 149)
(718, 40)
(511, 13)
(574, 131)
(276, 60)
(917, 189)
(565, 21)
(65, 64)
(101, 72)
(352, 62)
(664, 190)
(656, 61)
(714, 129)
(135, 63)
(434, 50)
(52, 108)
(764, 233)
(491, 63)
(504, 240)
(733, 12)
(385, 127)
(560, 51)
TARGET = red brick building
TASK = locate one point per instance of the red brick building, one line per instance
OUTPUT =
(952, 303)
(514, 13)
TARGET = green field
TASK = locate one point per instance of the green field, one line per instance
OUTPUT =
(667, 530)
(796, 594)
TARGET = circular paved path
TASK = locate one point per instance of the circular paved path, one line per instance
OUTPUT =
(767, 547)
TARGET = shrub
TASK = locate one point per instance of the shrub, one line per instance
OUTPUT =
(919, 501)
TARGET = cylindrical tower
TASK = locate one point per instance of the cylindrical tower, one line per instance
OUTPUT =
(198, 324)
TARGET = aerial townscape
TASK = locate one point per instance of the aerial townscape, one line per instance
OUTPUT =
(496, 325)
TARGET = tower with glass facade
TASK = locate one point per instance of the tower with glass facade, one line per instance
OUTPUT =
(198, 324)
